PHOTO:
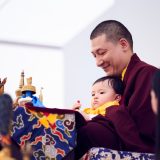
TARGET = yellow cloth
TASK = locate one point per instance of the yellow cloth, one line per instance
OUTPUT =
(123, 73)
(101, 109)
(45, 120)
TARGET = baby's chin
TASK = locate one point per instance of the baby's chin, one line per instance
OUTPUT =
(95, 106)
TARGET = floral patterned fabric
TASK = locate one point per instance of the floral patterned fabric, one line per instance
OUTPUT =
(51, 133)
(108, 154)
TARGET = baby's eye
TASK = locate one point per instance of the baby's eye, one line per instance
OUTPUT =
(101, 92)
(93, 94)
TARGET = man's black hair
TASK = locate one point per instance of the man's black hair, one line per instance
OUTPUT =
(113, 30)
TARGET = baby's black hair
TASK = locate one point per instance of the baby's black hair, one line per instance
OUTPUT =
(113, 81)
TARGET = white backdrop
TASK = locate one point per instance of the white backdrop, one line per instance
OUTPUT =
(64, 66)
(45, 66)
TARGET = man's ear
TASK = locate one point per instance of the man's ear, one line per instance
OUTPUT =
(118, 97)
(124, 43)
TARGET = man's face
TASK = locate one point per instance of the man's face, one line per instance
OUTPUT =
(108, 55)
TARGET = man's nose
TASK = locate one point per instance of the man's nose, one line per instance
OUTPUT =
(99, 62)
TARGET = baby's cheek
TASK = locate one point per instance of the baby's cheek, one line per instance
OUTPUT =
(92, 102)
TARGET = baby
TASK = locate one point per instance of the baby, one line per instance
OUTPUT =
(106, 92)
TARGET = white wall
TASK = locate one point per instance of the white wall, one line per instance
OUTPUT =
(143, 20)
(33, 33)
(67, 74)
(45, 66)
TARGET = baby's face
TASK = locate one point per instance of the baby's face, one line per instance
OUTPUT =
(102, 93)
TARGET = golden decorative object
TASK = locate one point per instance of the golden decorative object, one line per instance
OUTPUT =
(19, 101)
(2, 83)
(18, 92)
(41, 95)
(29, 86)
(21, 84)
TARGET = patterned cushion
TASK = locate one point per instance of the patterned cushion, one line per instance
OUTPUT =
(108, 154)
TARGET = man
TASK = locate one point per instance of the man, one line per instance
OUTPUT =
(131, 126)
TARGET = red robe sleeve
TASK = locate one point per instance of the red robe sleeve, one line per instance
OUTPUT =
(134, 120)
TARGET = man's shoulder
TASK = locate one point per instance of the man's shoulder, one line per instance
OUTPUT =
(137, 65)
(145, 67)
(138, 68)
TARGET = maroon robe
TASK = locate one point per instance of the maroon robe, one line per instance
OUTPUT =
(131, 126)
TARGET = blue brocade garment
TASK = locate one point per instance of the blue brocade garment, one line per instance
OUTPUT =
(108, 154)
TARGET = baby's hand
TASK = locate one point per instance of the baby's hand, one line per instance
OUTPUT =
(76, 106)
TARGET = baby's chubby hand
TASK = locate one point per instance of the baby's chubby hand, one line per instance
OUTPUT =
(77, 105)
